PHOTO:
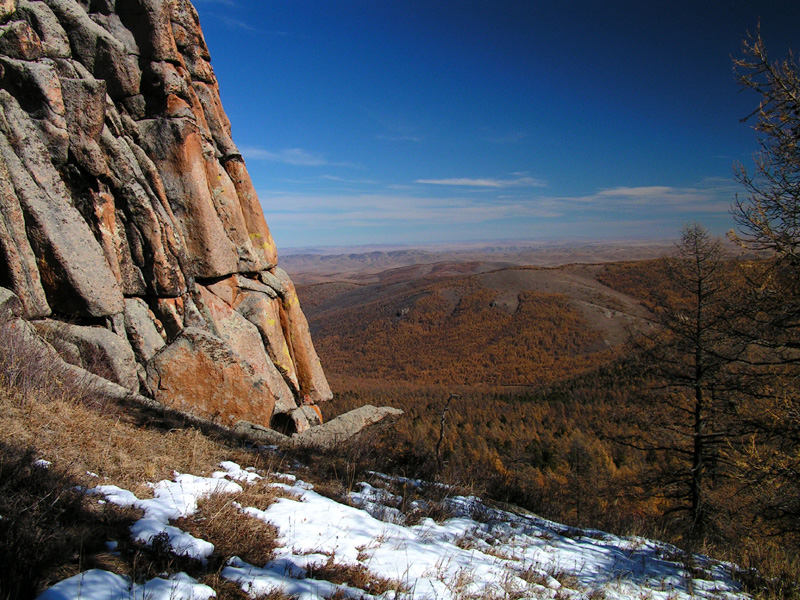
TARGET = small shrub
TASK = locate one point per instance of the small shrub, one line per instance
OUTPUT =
(27, 367)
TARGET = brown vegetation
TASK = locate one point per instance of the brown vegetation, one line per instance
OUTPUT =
(585, 444)
(457, 332)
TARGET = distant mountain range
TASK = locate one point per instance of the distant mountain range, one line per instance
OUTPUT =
(363, 264)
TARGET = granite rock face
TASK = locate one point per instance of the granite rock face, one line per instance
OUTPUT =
(130, 231)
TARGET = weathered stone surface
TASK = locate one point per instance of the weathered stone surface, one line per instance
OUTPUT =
(200, 374)
(99, 51)
(141, 326)
(19, 40)
(261, 434)
(312, 414)
(176, 147)
(22, 274)
(257, 228)
(156, 244)
(226, 289)
(42, 101)
(299, 420)
(344, 426)
(10, 306)
(55, 42)
(215, 118)
(100, 351)
(84, 113)
(7, 8)
(120, 184)
(75, 276)
(84, 107)
(253, 285)
(230, 288)
(314, 386)
(149, 22)
(264, 312)
(272, 281)
(111, 22)
(169, 312)
(244, 338)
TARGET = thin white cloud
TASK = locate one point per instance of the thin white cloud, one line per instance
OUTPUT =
(345, 180)
(239, 24)
(709, 196)
(400, 138)
(290, 156)
(638, 192)
(379, 208)
(486, 183)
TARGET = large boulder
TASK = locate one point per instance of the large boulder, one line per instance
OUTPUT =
(200, 374)
(243, 337)
(264, 312)
(96, 349)
(314, 386)
(344, 427)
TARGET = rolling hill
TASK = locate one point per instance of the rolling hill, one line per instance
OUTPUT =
(433, 324)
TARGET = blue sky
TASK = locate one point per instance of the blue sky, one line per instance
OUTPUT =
(415, 122)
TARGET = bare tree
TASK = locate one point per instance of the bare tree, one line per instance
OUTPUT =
(690, 353)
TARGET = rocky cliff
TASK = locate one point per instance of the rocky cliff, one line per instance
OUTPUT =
(129, 227)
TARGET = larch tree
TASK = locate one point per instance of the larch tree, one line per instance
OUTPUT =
(690, 353)
(768, 219)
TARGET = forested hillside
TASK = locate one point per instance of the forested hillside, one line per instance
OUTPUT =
(513, 327)
(561, 407)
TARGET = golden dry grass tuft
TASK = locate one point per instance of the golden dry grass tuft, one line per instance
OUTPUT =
(228, 590)
(220, 520)
(67, 432)
(357, 576)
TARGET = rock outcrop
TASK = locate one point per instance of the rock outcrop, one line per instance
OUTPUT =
(130, 231)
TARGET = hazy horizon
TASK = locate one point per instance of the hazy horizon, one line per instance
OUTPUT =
(476, 244)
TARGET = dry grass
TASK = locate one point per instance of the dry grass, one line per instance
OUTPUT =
(769, 571)
(68, 432)
(357, 576)
(233, 533)
(50, 530)
(228, 590)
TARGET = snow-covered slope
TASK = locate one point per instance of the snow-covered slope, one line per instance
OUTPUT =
(481, 552)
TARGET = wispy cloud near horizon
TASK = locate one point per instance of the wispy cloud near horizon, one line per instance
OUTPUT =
(398, 215)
